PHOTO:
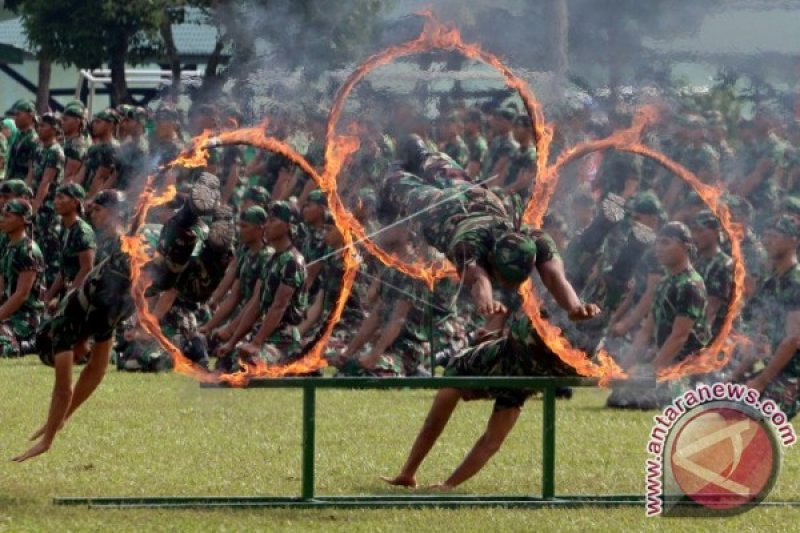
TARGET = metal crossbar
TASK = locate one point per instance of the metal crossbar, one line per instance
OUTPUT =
(309, 499)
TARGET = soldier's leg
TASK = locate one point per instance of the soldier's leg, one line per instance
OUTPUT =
(178, 238)
(444, 403)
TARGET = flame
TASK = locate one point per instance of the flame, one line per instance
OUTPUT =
(338, 148)
(197, 155)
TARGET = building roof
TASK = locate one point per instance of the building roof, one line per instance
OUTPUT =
(193, 37)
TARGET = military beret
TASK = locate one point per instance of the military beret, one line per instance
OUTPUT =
(676, 230)
(25, 106)
(514, 256)
(109, 115)
(17, 188)
(647, 203)
(73, 190)
(705, 219)
(109, 198)
(19, 207)
(254, 214)
(256, 193)
(786, 225)
(282, 211)
(318, 197)
(505, 112)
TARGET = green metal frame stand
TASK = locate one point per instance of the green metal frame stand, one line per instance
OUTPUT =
(308, 498)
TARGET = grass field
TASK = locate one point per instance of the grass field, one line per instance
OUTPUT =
(163, 435)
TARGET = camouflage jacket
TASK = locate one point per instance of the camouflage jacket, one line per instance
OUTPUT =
(286, 268)
(500, 147)
(76, 239)
(249, 269)
(99, 155)
(457, 149)
(21, 153)
(717, 275)
(24, 256)
(76, 148)
(776, 297)
(477, 148)
(132, 162)
(48, 157)
(524, 159)
(682, 294)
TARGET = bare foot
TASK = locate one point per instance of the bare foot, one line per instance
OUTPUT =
(37, 449)
(401, 481)
(441, 486)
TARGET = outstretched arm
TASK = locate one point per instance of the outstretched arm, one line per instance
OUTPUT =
(554, 278)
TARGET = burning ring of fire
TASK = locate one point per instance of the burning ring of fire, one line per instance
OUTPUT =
(338, 148)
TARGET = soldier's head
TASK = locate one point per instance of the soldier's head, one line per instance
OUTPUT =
(623, 175)
(413, 153)
(49, 127)
(781, 237)
(315, 208)
(705, 229)
(255, 195)
(674, 245)
(741, 210)
(105, 209)
(333, 237)
(203, 117)
(166, 118)
(73, 118)
(133, 120)
(523, 129)
(513, 258)
(502, 120)
(252, 223)
(646, 209)
(692, 127)
(24, 114)
(473, 122)
(280, 221)
(69, 199)
(104, 123)
(15, 216)
(11, 189)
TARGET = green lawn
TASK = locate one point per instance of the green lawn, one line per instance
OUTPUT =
(163, 435)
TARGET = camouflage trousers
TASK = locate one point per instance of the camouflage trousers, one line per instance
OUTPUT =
(785, 391)
(280, 348)
(142, 356)
(47, 227)
(403, 357)
(16, 329)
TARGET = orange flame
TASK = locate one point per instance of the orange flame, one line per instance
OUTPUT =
(436, 35)
(197, 155)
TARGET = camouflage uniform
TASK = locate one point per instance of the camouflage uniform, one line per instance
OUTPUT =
(330, 285)
(500, 147)
(765, 196)
(74, 239)
(699, 159)
(21, 256)
(75, 148)
(21, 153)
(457, 149)
(47, 225)
(681, 294)
(521, 352)
(131, 162)
(778, 296)
(477, 149)
(717, 273)
(282, 268)
(523, 160)
(99, 155)
(465, 228)
(95, 308)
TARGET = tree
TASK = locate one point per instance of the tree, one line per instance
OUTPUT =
(119, 32)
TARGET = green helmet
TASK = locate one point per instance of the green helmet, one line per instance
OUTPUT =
(514, 256)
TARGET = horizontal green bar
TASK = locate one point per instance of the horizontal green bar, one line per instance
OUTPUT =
(536, 383)
(429, 500)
